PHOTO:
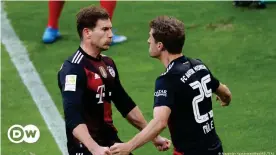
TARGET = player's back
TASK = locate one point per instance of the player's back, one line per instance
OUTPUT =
(189, 86)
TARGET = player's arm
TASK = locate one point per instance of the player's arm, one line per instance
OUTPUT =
(132, 113)
(162, 109)
(82, 134)
(136, 118)
(128, 108)
(72, 81)
(222, 91)
(126, 105)
(154, 128)
(223, 94)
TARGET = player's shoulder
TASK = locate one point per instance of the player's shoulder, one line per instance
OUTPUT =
(171, 69)
(74, 60)
(184, 66)
(196, 61)
(69, 67)
(177, 68)
(199, 65)
(168, 76)
(77, 57)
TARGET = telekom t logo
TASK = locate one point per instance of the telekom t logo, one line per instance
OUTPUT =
(101, 93)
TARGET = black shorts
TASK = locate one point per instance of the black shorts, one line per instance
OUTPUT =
(78, 150)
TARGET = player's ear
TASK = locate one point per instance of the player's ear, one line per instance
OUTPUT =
(87, 33)
(160, 46)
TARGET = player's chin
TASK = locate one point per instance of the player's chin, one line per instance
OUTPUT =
(105, 47)
(153, 55)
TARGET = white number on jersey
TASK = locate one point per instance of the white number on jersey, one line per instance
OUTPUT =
(204, 92)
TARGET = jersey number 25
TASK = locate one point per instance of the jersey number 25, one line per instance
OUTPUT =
(204, 92)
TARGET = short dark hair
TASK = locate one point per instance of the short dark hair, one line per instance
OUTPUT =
(169, 31)
(87, 17)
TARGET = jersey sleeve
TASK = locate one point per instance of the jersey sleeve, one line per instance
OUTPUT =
(72, 82)
(214, 83)
(120, 98)
(164, 94)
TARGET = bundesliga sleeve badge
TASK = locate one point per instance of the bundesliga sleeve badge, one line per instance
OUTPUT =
(70, 83)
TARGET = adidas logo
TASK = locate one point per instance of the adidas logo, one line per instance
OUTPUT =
(97, 76)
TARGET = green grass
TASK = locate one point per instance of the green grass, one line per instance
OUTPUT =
(237, 44)
(19, 108)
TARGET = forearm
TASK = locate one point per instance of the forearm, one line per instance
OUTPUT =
(136, 118)
(82, 134)
(224, 93)
(153, 129)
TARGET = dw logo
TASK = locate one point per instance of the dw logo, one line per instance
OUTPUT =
(29, 134)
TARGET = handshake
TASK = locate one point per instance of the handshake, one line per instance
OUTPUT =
(161, 143)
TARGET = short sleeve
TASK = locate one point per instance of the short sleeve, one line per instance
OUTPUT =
(164, 94)
(214, 83)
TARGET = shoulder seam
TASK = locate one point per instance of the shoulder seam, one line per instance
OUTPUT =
(77, 57)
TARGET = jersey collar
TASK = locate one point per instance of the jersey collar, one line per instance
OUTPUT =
(181, 59)
(89, 56)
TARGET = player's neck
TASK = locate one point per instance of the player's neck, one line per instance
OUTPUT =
(167, 58)
(90, 50)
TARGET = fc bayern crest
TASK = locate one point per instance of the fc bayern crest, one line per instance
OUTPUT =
(111, 71)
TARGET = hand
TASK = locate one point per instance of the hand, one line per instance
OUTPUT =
(101, 151)
(161, 143)
(221, 102)
(120, 149)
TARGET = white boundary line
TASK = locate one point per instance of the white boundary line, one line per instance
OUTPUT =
(19, 56)
(1, 81)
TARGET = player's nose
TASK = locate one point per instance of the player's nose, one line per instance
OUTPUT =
(110, 34)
